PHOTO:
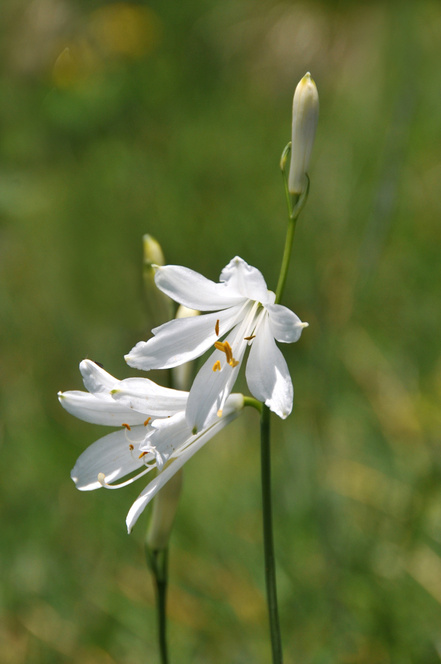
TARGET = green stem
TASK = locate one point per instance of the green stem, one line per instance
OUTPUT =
(268, 544)
(286, 258)
(158, 563)
(296, 203)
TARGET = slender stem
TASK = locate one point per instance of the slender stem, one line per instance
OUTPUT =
(158, 563)
(268, 544)
(251, 401)
(286, 258)
(296, 203)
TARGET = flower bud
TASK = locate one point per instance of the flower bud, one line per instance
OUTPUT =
(159, 306)
(163, 513)
(183, 374)
(305, 110)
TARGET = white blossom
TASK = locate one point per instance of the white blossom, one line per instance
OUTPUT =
(243, 314)
(153, 432)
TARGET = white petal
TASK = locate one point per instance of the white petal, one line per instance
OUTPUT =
(267, 373)
(110, 455)
(211, 388)
(103, 410)
(246, 280)
(96, 379)
(145, 396)
(285, 325)
(155, 485)
(193, 290)
(181, 340)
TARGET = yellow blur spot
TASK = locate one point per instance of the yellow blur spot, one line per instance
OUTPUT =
(125, 29)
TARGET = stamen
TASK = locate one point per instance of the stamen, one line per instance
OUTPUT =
(249, 338)
(225, 347)
(127, 426)
(147, 421)
(106, 485)
(217, 366)
(142, 455)
(216, 328)
(131, 447)
(219, 413)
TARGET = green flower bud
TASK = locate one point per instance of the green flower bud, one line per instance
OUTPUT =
(305, 111)
(159, 306)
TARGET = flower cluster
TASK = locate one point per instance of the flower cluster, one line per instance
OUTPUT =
(161, 428)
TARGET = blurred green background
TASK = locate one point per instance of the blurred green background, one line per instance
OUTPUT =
(169, 118)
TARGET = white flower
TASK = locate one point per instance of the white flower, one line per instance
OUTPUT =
(245, 312)
(305, 111)
(154, 432)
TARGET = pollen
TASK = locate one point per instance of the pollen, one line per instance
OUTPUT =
(147, 421)
(217, 366)
(126, 426)
(216, 327)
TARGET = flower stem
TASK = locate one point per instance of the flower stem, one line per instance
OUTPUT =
(268, 544)
(158, 563)
(295, 203)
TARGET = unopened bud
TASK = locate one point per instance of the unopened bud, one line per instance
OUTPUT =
(183, 374)
(153, 254)
(159, 305)
(305, 111)
(165, 505)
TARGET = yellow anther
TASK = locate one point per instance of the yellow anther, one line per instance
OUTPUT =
(217, 366)
(147, 421)
(216, 327)
(219, 413)
(126, 426)
(225, 347)
(249, 338)
(142, 455)
(131, 447)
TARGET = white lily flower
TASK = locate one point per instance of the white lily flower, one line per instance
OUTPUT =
(154, 432)
(245, 312)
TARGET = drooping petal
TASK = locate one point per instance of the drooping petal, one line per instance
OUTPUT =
(156, 484)
(103, 410)
(95, 378)
(246, 280)
(145, 396)
(111, 455)
(285, 325)
(212, 386)
(181, 340)
(195, 291)
(267, 373)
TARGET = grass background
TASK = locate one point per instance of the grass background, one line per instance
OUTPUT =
(169, 119)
